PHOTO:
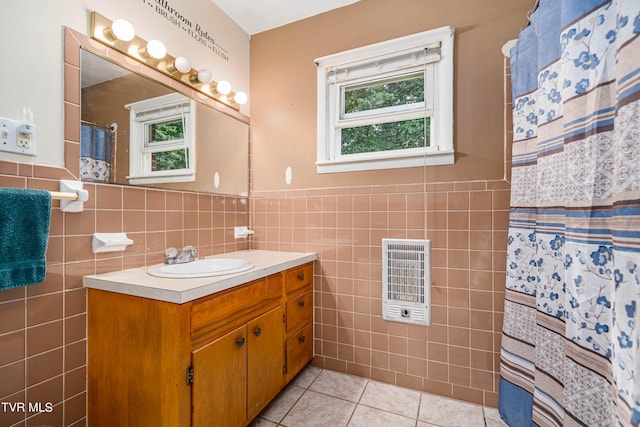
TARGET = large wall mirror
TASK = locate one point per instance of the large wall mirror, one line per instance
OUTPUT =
(198, 147)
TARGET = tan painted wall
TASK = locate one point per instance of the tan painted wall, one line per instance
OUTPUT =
(283, 87)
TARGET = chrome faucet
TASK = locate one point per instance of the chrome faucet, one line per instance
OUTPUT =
(174, 256)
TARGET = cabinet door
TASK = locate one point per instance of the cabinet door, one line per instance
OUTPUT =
(299, 351)
(220, 377)
(265, 360)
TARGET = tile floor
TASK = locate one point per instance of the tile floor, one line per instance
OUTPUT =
(318, 397)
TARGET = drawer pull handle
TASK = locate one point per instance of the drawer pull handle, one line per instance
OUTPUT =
(240, 341)
(257, 331)
(301, 276)
(301, 339)
(301, 303)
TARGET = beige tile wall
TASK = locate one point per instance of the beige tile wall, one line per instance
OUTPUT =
(43, 326)
(458, 355)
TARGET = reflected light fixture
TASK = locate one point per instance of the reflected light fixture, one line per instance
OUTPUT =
(121, 36)
(223, 87)
(180, 64)
(121, 30)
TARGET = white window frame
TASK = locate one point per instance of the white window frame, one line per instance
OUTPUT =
(430, 52)
(144, 114)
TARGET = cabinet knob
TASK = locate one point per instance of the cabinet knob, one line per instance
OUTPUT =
(301, 276)
(301, 303)
(257, 331)
(301, 339)
(240, 341)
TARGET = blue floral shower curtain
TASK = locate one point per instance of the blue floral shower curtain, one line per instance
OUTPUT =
(570, 346)
(95, 152)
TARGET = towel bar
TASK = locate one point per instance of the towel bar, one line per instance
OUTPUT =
(58, 195)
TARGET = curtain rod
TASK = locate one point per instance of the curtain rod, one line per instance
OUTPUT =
(533, 9)
(112, 127)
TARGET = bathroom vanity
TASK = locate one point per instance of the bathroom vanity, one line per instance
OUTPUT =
(197, 351)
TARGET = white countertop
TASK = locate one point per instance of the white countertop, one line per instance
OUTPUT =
(137, 282)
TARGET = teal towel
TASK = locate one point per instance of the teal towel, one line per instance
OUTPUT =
(24, 234)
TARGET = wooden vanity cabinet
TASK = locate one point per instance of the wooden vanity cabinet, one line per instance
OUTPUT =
(219, 359)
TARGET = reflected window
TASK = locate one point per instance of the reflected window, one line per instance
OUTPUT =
(162, 140)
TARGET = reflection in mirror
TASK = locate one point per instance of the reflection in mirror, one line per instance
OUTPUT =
(220, 142)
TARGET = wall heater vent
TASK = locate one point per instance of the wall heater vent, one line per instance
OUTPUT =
(406, 281)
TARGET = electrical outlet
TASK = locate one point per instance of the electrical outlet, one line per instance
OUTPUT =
(25, 133)
(17, 137)
(24, 141)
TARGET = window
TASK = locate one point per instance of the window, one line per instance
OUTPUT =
(162, 145)
(387, 105)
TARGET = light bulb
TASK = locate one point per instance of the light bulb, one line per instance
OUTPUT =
(240, 97)
(156, 49)
(223, 87)
(122, 30)
(181, 64)
(204, 76)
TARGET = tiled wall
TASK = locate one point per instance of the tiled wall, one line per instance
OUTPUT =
(43, 326)
(458, 355)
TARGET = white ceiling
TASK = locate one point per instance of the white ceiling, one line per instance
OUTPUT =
(96, 69)
(255, 16)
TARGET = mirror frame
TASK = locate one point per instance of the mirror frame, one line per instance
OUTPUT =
(73, 43)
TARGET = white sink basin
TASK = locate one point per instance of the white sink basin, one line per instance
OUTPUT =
(200, 268)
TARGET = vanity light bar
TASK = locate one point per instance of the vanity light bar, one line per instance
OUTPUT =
(137, 48)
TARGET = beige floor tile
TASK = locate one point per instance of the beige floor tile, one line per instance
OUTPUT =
(306, 376)
(318, 397)
(391, 398)
(282, 404)
(365, 416)
(316, 409)
(449, 412)
(338, 384)
(492, 418)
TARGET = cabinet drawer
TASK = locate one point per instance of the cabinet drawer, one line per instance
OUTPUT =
(299, 350)
(213, 312)
(299, 311)
(298, 277)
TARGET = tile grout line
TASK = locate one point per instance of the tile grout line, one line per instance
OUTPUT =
(355, 408)
(419, 406)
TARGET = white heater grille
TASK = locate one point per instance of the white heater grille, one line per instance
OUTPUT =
(406, 280)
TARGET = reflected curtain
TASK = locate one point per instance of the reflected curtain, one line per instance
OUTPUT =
(95, 152)
(570, 352)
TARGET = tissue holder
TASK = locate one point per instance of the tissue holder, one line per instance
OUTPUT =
(110, 242)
